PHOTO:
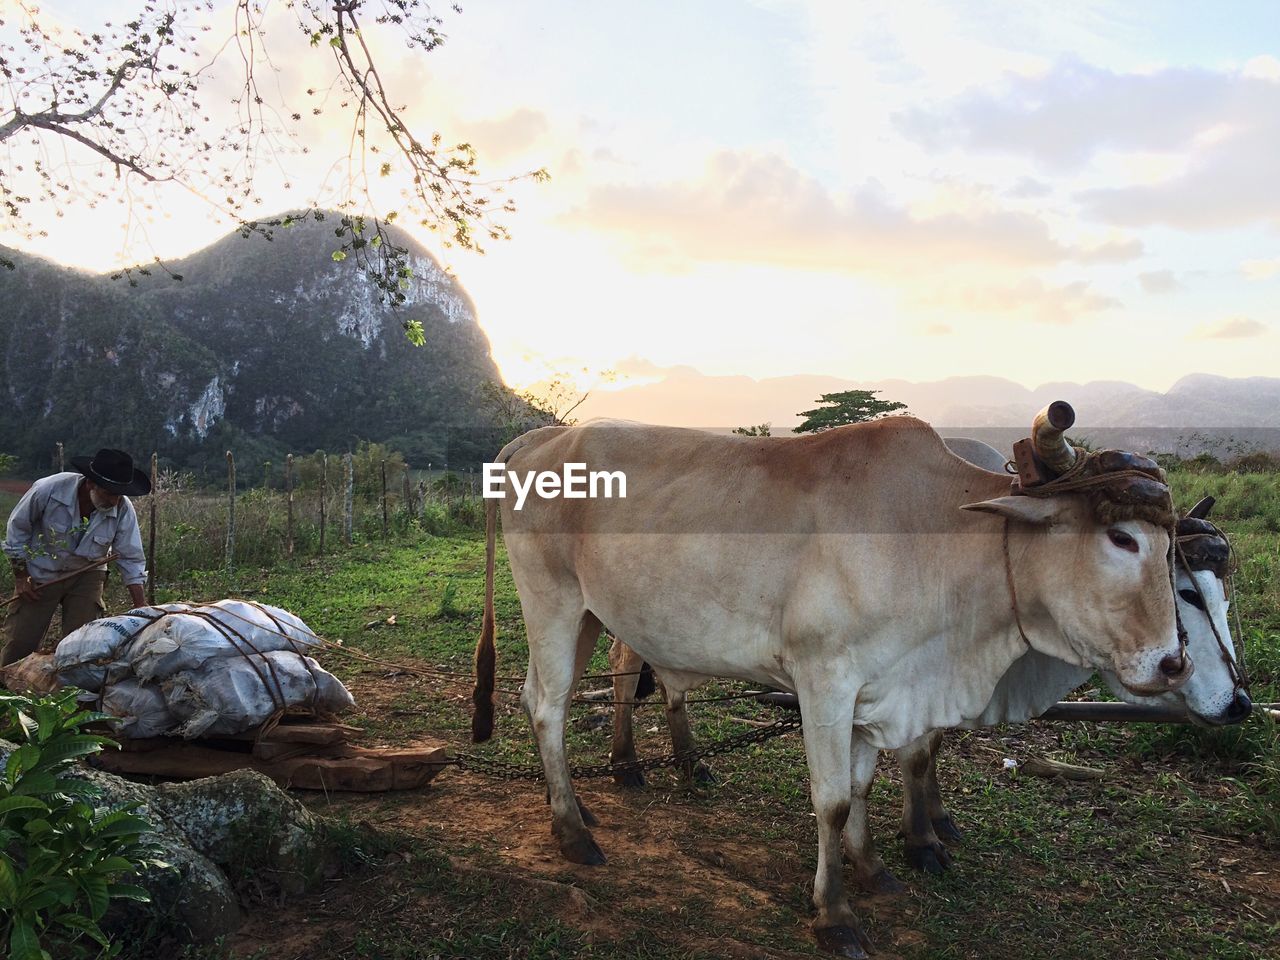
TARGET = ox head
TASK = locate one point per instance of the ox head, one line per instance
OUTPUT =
(1211, 696)
(1091, 570)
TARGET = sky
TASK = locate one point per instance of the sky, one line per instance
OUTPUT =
(1034, 190)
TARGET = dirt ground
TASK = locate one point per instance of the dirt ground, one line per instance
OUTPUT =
(693, 874)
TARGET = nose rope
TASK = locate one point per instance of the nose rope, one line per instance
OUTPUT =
(1013, 591)
(1173, 592)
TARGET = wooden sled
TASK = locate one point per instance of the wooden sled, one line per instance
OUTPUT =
(307, 755)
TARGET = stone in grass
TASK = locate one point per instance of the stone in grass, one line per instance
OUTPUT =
(215, 836)
(246, 824)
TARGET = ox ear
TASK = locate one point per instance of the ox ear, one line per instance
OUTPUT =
(1033, 510)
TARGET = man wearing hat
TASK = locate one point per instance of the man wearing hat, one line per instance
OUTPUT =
(61, 524)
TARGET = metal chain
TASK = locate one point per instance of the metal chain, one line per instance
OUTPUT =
(509, 770)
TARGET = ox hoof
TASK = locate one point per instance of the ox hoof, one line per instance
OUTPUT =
(588, 818)
(632, 779)
(947, 830)
(582, 849)
(702, 774)
(882, 881)
(928, 859)
(843, 941)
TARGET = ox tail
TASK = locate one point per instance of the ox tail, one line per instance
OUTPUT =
(486, 651)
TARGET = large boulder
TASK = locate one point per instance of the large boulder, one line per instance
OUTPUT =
(216, 837)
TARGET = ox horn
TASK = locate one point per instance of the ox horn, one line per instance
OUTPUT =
(1201, 510)
(1047, 436)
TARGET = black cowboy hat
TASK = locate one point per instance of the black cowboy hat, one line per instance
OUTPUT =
(113, 471)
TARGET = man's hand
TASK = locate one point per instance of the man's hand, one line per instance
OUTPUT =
(136, 596)
(26, 588)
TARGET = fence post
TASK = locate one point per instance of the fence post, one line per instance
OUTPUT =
(408, 496)
(348, 496)
(421, 505)
(151, 534)
(384, 499)
(324, 496)
(61, 465)
(231, 509)
(288, 506)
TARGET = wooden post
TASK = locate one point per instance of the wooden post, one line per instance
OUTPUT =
(151, 534)
(61, 465)
(324, 496)
(288, 506)
(231, 509)
(408, 496)
(422, 498)
(349, 483)
(384, 499)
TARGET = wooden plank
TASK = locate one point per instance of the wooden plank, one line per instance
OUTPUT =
(361, 769)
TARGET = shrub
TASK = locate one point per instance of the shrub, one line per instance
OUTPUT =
(61, 859)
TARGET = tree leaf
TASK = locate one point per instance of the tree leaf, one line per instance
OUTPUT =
(81, 924)
(95, 888)
(23, 942)
(21, 803)
(128, 891)
(8, 883)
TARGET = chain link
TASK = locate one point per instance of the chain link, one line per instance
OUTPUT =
(509, 770)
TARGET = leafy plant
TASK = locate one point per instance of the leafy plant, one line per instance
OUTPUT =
(62, 860)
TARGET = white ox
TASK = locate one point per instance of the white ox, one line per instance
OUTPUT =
(1031, 685)
(862, 568)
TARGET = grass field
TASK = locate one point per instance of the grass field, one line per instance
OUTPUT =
(1174, 855)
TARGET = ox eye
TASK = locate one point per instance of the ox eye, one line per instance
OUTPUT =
(1123, 540)
(1192, 598)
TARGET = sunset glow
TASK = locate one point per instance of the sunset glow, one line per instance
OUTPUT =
(1036, 191)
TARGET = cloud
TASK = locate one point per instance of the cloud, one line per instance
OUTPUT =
(1232, 328)
(1062, 117)
(759, 208)
(1029, 188)
(1030, 300)
(1222, 127)
(1261, 269)
(1158, 281)
(1113, 251)
(505, 138)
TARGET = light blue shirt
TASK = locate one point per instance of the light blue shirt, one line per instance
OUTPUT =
(46, 533)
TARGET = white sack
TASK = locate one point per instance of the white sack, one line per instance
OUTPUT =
(140, 707)
(229, 695)
(227, 628)
(83, 657)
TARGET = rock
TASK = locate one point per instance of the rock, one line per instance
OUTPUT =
(251, 827)
(215, 836)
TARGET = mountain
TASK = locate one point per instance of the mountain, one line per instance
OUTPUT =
(262, 348)
(1199, 412)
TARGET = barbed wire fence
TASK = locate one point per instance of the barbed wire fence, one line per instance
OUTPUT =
(292, 515)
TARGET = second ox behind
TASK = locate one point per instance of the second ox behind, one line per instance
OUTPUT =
(887, 583)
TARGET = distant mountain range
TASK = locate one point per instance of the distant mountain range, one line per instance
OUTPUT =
(262, 348)
(267, 348)
(1199, 412)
